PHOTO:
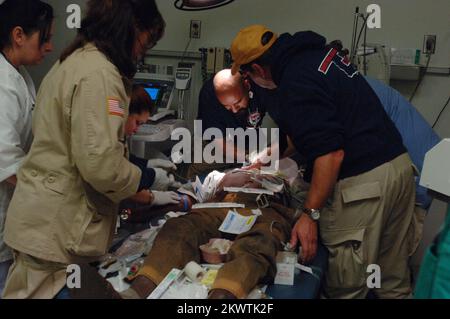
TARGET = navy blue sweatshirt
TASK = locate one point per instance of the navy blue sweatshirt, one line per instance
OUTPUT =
(148, 174)
(326, 105)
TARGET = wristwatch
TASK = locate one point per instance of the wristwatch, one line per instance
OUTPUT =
(313, 213)
(125, 214)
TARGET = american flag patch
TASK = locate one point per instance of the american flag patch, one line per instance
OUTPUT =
(114, 108)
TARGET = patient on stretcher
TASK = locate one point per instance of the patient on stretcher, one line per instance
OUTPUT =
(251, 259)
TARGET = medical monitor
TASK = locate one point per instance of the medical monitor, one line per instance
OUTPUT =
(160, 90)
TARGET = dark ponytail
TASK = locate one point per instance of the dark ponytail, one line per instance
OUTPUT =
(31, 15)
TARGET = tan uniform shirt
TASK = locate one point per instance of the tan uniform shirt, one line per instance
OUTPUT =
(64, 208)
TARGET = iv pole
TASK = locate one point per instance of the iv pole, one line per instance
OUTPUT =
(355, 30)
(356, 39)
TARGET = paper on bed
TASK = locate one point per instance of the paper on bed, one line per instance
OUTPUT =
(206, 190)
(237, 224)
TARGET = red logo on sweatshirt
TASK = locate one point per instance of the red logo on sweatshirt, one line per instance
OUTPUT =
(342, 63)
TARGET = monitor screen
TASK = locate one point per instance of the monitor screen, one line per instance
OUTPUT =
(153, 92)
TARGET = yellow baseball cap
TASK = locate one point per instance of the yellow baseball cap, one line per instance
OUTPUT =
(247, 46)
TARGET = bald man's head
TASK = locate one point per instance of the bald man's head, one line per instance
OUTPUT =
(231, 90)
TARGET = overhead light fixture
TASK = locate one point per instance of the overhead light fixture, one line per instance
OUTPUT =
(198, 5)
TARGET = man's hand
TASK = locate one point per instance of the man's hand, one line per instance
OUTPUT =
(165, 198)
(164, 180)
(325, 174)
(261, 157)
(258, 160)
(305, 231)
(161, 163)
(253, 166)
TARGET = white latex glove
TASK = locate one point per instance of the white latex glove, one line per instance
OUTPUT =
(161, 163)
(262, 157)
(165, 198)
(164, 180)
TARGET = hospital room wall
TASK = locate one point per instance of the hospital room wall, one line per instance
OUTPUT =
(404, 23)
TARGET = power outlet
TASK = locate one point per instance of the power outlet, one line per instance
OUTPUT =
(429, 44)
(196, 29)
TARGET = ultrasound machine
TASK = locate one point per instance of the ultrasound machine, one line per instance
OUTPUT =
(156, 133)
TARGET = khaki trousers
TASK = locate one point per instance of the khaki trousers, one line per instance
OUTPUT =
(371, 222)
(33, 278)
(251, 260)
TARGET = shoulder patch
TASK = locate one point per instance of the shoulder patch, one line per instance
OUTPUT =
(114, 107)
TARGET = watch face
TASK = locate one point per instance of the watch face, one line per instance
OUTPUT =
(315, 215)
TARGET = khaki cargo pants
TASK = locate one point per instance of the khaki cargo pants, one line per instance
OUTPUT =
(33, 278)
(371, 222)
(250, 261)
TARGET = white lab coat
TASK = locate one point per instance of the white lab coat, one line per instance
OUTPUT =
(17, 98)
